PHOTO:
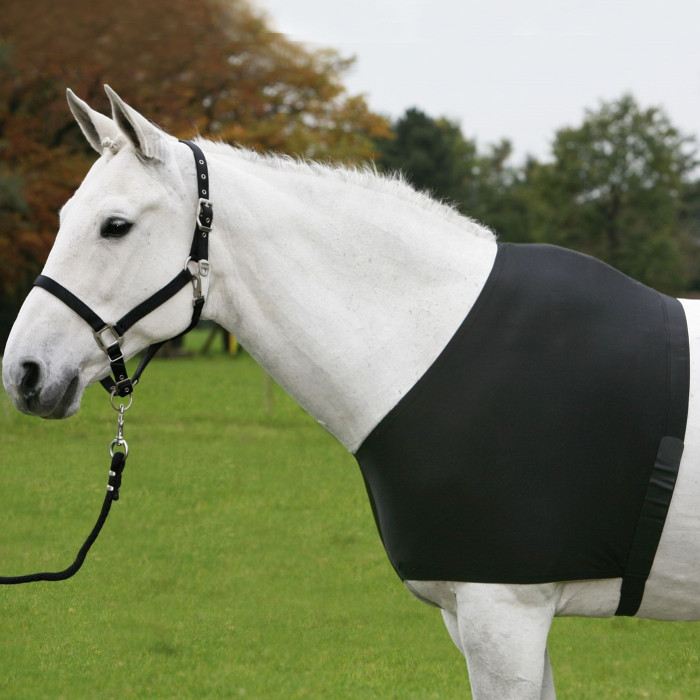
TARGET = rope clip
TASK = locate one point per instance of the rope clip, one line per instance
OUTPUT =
(119, 440)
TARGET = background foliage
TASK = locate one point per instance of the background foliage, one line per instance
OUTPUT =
(621, 185)
(193, 66)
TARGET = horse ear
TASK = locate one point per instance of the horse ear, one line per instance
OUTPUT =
(94, 125)
(148, 140)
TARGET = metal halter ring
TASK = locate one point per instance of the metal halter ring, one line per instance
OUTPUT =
(119, 443)
(121, 407)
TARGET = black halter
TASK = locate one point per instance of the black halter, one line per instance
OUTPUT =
(108, 335)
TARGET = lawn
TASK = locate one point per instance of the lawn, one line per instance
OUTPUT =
(241, 561)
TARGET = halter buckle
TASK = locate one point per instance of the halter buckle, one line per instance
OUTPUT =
(198, 269)
(205, 215)
(197, 284)
(104, 346)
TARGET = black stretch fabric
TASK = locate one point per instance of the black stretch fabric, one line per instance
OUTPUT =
(543, 443)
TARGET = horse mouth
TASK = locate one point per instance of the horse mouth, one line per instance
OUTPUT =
(67, 405)
(40, 405)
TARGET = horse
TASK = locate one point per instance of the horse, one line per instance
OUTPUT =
(347, 287)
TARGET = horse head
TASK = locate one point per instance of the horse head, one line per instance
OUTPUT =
(123, 235)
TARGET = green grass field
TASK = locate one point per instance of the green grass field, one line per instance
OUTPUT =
(241, 561)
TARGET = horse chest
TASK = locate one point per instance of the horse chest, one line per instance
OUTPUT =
(526, 453)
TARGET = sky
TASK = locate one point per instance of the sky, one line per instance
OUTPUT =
(516, 69)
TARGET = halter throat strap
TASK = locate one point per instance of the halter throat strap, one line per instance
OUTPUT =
(109, 335)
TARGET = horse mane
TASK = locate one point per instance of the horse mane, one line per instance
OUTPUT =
(365, 175)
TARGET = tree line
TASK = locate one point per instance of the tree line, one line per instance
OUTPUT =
(621, 186)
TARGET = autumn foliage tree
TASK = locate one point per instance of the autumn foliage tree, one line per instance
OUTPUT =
(193, 66)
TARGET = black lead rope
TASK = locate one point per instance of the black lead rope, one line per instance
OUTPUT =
(108, 336)
(118, 462)
(115, 481)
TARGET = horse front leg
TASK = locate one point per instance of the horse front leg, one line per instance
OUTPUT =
(502, 631)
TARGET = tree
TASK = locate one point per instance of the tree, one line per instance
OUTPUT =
(208, 65)
(689, 229)
(431, 153)
(435, 156)
(614, 190)
(495, 193)
(193, 66)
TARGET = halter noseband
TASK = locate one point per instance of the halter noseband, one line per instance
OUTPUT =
(108, 335)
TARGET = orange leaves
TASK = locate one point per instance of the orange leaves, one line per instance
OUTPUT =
(207, 66)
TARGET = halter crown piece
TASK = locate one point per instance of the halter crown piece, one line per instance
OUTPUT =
(108, 335)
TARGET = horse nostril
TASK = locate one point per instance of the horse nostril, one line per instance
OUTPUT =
(29, 386)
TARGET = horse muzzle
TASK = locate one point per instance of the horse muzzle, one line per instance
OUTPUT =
(37, 392)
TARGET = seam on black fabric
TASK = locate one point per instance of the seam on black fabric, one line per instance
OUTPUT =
(634, 583)
(627, 596)
(669, 363)
(450, 347)
(680, 368)
(664, 418)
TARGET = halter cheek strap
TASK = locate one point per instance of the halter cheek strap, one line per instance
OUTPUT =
(109, 335)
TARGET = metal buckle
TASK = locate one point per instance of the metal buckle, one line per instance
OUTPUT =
(201, 270)
(126, 382)
(197, 284)
(100, 341)
(205, 215)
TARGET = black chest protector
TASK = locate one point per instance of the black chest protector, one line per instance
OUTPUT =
(543, 443)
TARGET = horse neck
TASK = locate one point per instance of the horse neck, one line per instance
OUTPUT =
(343, 291)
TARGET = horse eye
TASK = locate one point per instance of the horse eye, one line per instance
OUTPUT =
(115, 227)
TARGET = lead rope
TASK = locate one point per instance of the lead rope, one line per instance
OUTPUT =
(118, 451)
